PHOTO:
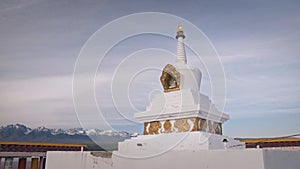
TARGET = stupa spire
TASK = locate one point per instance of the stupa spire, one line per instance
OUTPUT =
(180, 55)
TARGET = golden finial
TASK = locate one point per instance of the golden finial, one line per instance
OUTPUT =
(179, 27)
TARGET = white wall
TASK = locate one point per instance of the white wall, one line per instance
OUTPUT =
(76, 160)
(279, 159)
(212, 159)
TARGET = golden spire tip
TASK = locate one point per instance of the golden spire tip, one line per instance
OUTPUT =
(179, 28)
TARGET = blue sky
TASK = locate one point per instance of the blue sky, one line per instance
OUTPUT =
(258, 44)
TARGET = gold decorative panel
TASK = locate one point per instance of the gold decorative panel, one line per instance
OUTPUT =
(170, 78)
(168, 127)
(182, 125)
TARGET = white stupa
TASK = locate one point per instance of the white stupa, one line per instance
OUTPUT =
(180, 118)
(181, 103)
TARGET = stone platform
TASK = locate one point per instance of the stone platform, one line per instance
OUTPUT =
(151, 145)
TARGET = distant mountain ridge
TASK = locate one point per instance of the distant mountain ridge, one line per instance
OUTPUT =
(22, 133)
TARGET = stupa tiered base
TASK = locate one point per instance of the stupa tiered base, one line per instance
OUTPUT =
(181, 111)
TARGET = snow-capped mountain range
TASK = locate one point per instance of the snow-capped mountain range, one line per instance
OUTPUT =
(22, 133)
(73, 131)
